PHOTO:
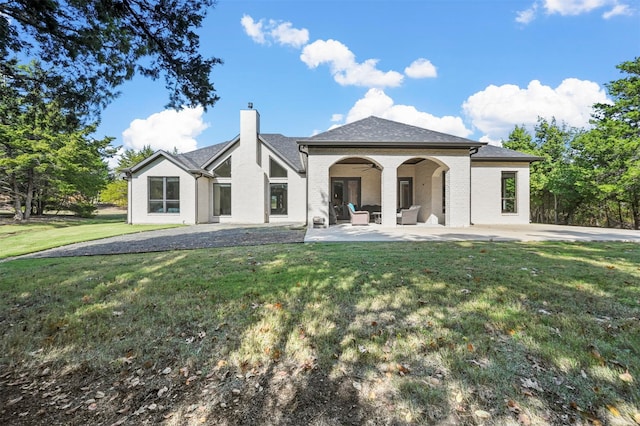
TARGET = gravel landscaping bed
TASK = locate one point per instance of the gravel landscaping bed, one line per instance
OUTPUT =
(182, 238)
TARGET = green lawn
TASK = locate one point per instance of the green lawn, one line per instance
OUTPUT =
(32, 236)
(395, 333)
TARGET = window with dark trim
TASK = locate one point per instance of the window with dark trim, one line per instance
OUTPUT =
(222, 199)
(164, 194)
(224, 169)
(278, 196)
(444, 192)
(276, 170)
(509, 201)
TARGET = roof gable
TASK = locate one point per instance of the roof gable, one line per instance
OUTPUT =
(379, 131)
(286, 147)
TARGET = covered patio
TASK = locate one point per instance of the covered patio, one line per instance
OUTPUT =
(420, 181)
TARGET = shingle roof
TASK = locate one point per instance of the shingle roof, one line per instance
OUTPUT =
(197, 159)
(370, 132)
(375, 131)
(286, 147)
(497, 153)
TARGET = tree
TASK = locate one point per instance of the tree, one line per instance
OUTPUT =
(91, 47)
(116, 190)
(554, 195)
(612, 148)
(47, 156)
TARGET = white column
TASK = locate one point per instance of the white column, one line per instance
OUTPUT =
(389, 194)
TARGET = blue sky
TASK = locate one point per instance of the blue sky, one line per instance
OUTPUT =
(472, 68)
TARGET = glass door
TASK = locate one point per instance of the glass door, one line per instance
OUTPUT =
(344, 190)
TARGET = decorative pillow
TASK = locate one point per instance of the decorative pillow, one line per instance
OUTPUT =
(352, 207)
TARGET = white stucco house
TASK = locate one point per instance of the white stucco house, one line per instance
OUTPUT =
(376, 164)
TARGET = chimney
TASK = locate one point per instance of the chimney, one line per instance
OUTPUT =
(246, 170)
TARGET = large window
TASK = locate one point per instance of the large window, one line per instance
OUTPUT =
(222, 199)
(278, 198)
(276, 170)
(509, 192)
(164, 195)
(224, 169)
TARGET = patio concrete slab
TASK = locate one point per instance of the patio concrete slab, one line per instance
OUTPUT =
(532, 232)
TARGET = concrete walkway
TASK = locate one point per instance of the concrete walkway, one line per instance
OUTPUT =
(532, 232)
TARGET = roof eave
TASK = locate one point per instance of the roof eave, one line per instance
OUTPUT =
(389, 144)
(507, 159)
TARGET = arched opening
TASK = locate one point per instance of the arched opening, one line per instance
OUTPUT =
(355, 180)
(422, 182)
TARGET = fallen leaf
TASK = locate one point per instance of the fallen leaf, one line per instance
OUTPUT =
(513, 406)
(613, 410)
(470, 347)
(626, 377)
(403, 369)
(523, 419)
(481, 414)
(530, 384)
(166, 370)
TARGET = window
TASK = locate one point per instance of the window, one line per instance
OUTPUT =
(276, 170)
(444, 192)
(405, 192)
(164, 195)
(222, 199)
(509, 192)
(224, 169)
(278, 198)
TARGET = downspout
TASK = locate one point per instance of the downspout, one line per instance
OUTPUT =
(472, 151)
(197, 176)
(306, 201)
(127, 177)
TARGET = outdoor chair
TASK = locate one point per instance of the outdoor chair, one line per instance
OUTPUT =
(408, 216)
(360, 217)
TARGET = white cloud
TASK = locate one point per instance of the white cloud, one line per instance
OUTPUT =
(497, 109)
(619, 9)
(376, 102)
(253, 29)
(344, 68)
(285, 34)
(526, 16)
(337, 117)
(573, 8)
(282, 33)
(421, 68)
(166, 130)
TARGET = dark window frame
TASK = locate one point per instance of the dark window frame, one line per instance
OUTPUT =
(509, 192)
(163, 205)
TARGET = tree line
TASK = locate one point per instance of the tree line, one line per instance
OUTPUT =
(589, 177)
(82, 52)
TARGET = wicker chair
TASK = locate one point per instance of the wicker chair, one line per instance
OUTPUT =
(408, 216)
(360, 217)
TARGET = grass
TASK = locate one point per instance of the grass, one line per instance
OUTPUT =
(29, 237)
(468, 333)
